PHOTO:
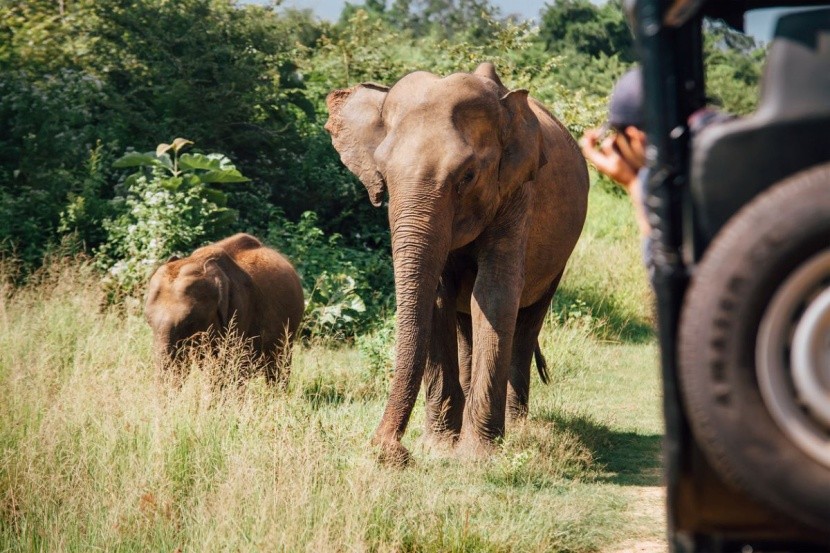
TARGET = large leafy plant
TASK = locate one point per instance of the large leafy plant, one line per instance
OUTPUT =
(171, 204)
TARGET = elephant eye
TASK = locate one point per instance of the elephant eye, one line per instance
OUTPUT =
(466, 180)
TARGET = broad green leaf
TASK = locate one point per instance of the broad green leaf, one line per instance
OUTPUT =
(136, 159)
(226, 175)
(190, 180)
(224, 161)
(199, 161)
(165, 161)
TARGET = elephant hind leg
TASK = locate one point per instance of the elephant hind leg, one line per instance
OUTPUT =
(278, 370)
(464, 325)
(278, 359)
(541, 364)
(444, 395)
(525, 347)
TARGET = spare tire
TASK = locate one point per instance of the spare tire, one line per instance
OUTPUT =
(754, 349)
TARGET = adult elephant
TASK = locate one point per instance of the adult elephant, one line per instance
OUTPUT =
(487, 197)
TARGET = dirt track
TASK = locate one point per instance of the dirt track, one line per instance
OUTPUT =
(647, 512)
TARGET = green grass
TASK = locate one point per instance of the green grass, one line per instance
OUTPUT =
(97, 452)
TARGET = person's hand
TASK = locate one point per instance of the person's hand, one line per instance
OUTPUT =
(631, 144)
(618, 156)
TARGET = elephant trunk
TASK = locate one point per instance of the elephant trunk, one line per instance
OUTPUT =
(420, 245)
(165, 352)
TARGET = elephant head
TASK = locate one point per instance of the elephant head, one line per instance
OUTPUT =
(449, 151)
(186, 298)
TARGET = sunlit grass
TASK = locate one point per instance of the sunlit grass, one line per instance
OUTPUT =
(98, 452)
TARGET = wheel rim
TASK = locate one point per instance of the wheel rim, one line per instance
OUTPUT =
(810, 358)
(792, 357)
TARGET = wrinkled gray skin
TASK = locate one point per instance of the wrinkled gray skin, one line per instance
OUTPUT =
(235, 279)
(487, 197)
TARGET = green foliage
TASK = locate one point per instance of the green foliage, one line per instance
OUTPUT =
(378, 349)
(43, 36)
(86, 209)
(733, 68)
(588, 28)
(47, 147)
(76, 73)
(462, 20)
(457, 20)
(351, 53)
(339, 281)
(170, 205)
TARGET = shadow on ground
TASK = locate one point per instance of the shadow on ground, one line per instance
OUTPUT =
(625, 458)
(611, 320)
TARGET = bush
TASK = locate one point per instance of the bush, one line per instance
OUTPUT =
(82, 218)
(171, 205)
(339, 281)
(378, 349)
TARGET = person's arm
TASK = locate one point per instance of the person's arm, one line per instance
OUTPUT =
(621, 158)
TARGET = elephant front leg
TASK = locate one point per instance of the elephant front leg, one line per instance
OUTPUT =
(444, 396)
(494, 306)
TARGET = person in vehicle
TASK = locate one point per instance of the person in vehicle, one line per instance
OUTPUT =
(618, 148)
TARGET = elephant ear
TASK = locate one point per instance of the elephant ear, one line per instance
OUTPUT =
(356, 129)
(522, 154)
(488, 71)
(222, 283)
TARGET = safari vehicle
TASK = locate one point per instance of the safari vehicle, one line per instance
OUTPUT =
(741, 216)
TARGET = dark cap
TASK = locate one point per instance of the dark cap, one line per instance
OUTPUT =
(626, 106)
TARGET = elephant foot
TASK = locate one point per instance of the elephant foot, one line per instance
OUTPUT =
(391, 452)
(474, 447)
(440, 443)
(516, 414)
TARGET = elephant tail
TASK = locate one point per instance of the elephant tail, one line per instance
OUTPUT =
(541, 364)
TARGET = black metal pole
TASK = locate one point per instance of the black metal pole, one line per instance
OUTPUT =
(666, 116)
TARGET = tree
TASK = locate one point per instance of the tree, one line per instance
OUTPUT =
(587, 28)
(733, 64)
(441, 18)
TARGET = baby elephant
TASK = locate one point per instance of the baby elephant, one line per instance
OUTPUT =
(237, 278)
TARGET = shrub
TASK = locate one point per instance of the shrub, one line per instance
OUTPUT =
(378, 349)
(339, 280)
(86, 209)
(170, 205)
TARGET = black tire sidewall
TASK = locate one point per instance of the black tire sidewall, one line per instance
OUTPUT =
(743, 267)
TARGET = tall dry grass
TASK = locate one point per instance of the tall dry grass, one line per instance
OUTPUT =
(98, 452)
